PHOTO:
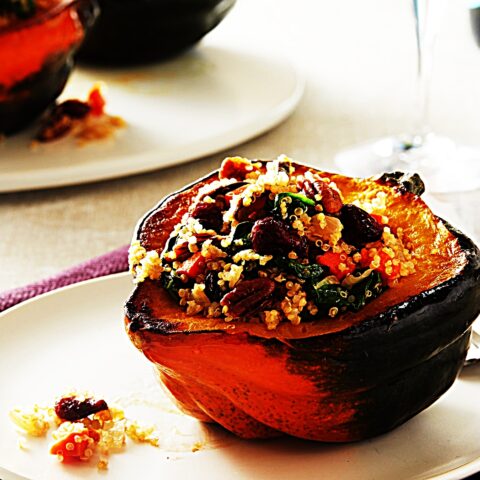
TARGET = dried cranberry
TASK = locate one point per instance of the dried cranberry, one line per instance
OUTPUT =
(359, 227)
(331, 201)
(212, 289)
(273, 237)
(255, 211)
(72, 409)
(210, 214)
(249, 296)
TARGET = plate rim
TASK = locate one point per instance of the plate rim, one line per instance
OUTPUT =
(27, 302)
(66, 175)
(457, 473)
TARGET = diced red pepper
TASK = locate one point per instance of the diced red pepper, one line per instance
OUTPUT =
(96, 101)
(76, 445)
(333, 260)
(193, 266)
(384, 258)
(235, 167)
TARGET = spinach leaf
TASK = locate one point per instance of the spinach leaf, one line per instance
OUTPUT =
(311, 273)
(171, 283)
(297, 201)
(328, 295)
(170, 243)
(372, 284)
(242, 232)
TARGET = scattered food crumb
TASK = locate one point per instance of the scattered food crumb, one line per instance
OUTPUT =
(85, 121)
(22, 444)
(141, 433)
(197, 446)
(85, 429)
(34, 421)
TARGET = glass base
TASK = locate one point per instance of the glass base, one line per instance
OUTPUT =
(443, 165)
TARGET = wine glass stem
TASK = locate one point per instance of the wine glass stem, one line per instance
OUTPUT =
(424, 43)
(428, 15)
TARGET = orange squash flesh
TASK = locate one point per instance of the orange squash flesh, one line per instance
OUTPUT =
(34, 44)
(340, 379)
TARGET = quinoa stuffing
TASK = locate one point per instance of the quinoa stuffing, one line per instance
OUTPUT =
(265, 243)
(85, 429)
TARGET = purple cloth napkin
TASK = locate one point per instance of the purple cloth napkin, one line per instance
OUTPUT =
(106, 264)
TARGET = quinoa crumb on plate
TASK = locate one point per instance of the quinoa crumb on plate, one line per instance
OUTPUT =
(83, 429)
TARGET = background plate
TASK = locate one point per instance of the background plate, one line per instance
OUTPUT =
(74, 338)
(205, 101)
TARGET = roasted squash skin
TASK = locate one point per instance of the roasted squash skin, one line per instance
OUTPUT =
(132, 32)
(334, 380)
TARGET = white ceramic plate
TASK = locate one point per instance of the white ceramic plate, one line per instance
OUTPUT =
(208, 100)
(74, 337)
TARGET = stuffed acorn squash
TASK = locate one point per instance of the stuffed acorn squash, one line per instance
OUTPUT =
(273, 298)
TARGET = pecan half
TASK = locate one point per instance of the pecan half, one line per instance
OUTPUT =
(331, 201)
(249, 296)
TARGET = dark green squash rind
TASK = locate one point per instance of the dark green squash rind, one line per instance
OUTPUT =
(413, 350)
(407, 182)
(134, 32)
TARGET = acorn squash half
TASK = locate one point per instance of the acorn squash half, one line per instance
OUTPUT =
(336, 379)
